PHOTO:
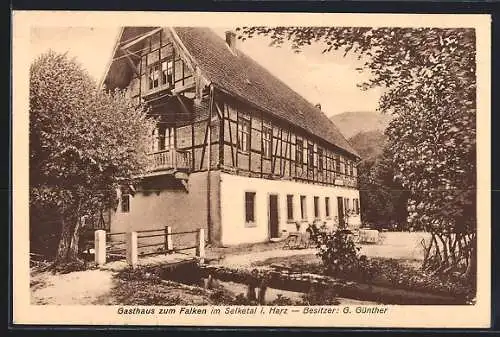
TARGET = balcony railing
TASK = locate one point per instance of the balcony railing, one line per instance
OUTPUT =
(171, 159)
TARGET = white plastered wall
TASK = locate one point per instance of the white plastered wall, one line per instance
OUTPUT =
(233, 188)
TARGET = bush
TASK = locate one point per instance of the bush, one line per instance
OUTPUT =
(337, 251)
(324, 297)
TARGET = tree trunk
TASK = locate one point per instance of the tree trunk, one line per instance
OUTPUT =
(64, 242)
(73, 248)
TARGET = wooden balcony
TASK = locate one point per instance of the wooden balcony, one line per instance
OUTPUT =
(170, 160)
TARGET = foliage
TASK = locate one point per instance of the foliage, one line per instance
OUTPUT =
(337, 250)
(84, 143)
(383, 200)
(429, 81)
(320, 297)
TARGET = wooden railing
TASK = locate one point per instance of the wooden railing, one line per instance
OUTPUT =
(170, 159)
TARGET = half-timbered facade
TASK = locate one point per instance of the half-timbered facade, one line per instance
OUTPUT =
(236, 150)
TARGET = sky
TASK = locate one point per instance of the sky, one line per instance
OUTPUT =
(329, 79)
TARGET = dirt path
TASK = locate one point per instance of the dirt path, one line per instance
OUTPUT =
(76, 288)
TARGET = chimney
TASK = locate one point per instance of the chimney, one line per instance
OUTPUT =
(318, 105)
(231, 40)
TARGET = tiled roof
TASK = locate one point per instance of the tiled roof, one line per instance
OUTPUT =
(240, 75)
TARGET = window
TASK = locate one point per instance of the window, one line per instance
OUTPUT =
(316, 207)
(346, 204)
(289, 206)
(154, 76)
(243, 134)
(327, 207)
(167, 68)
(125, 201)
(169, 138)
(320, 159)
(356, 205)
(249, 206)
(303, 209)
(267, 141)
(310, 156)
(342, 165)
(299, 148)
(155, 136)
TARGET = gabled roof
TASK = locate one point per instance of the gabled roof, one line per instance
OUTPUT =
(242, 77)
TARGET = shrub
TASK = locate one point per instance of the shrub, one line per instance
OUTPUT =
(281, 300)
(324, 297)
(337, 251)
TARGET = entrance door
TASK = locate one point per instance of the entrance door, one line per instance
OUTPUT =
(273, 216)
(340, 206)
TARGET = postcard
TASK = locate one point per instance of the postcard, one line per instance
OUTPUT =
(251, 169)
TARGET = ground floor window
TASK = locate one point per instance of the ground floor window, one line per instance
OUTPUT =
(125, 203)
(356, 205)
(346, 205)
(249, 207)
(327, 207)
(316, 207)
(303, 209)
(289, 206)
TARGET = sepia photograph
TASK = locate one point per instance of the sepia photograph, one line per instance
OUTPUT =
(241, 168)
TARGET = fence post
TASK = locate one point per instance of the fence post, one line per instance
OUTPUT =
(132, 249)
(168, 239)
(100, 247)
(200, 245)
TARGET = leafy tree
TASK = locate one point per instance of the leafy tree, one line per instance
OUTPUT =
(383, 201)
(429, 81)
(84, 143)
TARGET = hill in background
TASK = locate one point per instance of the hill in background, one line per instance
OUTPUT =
(369, 144)
(364, 130)
(353, 122)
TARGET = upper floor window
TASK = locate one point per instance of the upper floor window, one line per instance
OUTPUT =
(342, 167)
(267, 141)
(163, 138)
(310, 155)
(160, 65)
(299, 151)
(320, 159)
(243, 134)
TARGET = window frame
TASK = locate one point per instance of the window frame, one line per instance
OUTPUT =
(123, 197)
(289, 207)
(250, 222)
(317, 213)
(310, 156)
(267, 141)
(299, 151)
(241, 122)
(320, 159)
(303, 207)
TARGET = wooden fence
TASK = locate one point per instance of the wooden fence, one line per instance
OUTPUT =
(132, 245)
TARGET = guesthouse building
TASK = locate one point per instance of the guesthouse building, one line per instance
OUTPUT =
(236, 151)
